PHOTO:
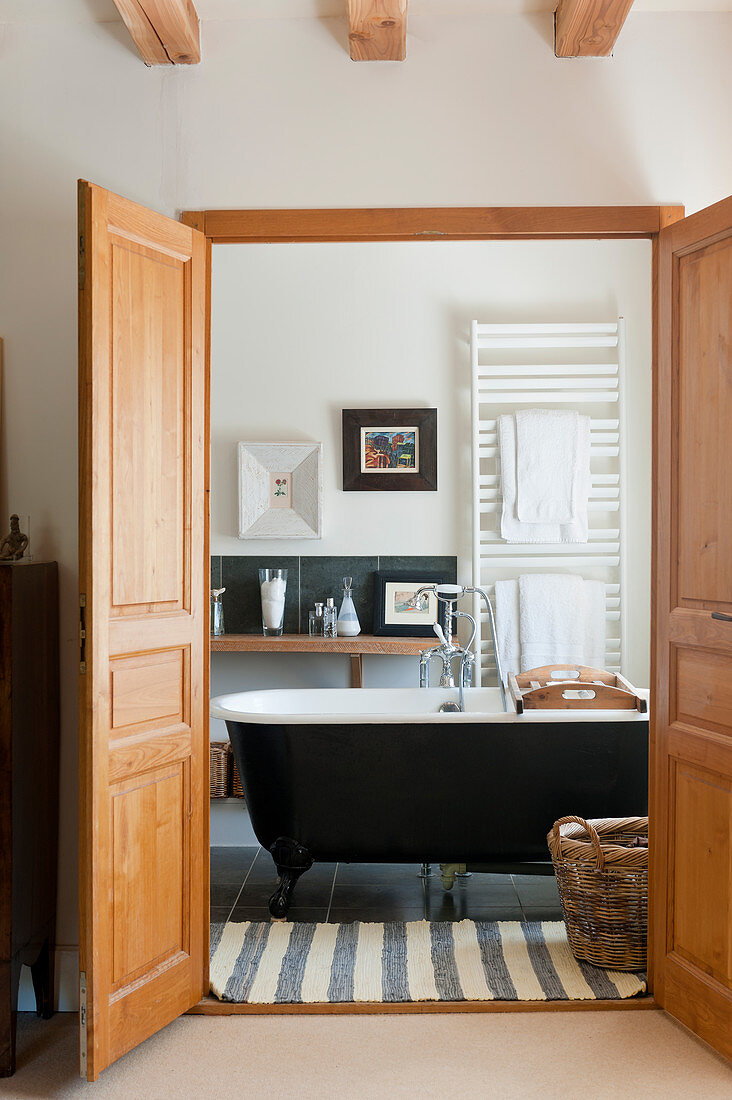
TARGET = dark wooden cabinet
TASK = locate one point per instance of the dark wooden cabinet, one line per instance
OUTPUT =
(29, 749)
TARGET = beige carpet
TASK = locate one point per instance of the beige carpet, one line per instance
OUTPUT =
(500, 1056)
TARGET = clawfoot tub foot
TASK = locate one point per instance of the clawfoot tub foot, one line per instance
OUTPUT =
(448, 871)
(291, 860)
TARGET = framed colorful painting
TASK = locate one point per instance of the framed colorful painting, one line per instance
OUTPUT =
(391, 450)
(399, 611)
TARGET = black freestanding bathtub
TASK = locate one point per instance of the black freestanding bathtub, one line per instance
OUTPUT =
(382, 776)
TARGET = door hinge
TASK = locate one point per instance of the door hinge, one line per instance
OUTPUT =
(82, 1023)
(82, 261)
(82, 633)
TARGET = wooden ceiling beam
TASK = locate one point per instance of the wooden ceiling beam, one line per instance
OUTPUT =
(166, 32)
(377, 30)
(588, 28)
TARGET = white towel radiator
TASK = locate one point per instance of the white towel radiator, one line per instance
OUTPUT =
(578, 366)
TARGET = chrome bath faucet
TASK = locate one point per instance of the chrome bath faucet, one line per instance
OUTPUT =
(447, 651)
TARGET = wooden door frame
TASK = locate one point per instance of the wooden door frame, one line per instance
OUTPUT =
(492, 223)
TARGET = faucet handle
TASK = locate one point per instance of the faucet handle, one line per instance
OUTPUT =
(440, 633)
(452, 591)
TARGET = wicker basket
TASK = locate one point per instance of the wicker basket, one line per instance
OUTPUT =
(219, 758)
(236, 788)
(602, 875)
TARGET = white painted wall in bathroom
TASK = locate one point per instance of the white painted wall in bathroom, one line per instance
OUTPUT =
(305, 330)
(482, 113)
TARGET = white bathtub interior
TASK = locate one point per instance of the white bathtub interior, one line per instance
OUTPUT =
(398, 706)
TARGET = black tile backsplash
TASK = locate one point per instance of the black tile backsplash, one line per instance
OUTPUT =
(446, 566)
(309, 579)
(242, 603)
(323, 576)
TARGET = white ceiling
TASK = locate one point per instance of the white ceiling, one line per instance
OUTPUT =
(104, 11)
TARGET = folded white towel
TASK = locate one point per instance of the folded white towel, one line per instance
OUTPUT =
(515, 529)
(552, 463)
(551, 619)
(507, 626)
(595, 624)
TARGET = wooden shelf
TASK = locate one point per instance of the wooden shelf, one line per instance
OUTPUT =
(303, 643)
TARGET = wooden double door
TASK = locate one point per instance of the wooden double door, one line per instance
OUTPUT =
(691, 752)
(144, 577)
(143, 684)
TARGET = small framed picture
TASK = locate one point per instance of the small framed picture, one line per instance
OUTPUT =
(399, 611)
(280, 490)
(391, 450)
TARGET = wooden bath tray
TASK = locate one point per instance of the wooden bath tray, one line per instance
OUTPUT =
(573, 687)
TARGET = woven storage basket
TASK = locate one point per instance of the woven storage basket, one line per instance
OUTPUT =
(219, 758)
(603, 887)
(236, 788)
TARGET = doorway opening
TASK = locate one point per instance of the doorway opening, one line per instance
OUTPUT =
(383, 324)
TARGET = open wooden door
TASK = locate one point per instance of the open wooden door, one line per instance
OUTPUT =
(143, 468)
(691, 753)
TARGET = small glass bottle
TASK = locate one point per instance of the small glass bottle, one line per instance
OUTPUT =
(217, 612)
(348, 624)
(330, 617)
(315, 622)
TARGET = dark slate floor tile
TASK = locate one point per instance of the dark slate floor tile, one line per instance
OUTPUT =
(322, 576)
(296, 913)
(306, 893)
(216, 571)
(542, 912)
(530, 880)
(264, 859)
(366, 874)
(264, 871)
(377, 914)
(224, 893)
(219, 914)
(451, 908)
(231, 864)
(485, 877)
(242, 601)
(491, 893)
(358, 895)
(536, 893)
(447, 566)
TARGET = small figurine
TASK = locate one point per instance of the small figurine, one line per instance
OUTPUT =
(15, 544)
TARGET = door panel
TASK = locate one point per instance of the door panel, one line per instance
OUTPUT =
(146, 689)
(150, 392)
(144, 581)
(703, 414)
(150, 852)
(703, 689)
(701, 934)
(691, 755)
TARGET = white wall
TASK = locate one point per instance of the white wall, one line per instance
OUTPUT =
(301, 331)
(482, 113)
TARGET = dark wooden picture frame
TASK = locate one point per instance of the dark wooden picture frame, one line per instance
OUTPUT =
(423, 479)
(384, 576)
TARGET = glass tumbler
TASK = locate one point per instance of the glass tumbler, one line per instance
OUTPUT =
(272, 586)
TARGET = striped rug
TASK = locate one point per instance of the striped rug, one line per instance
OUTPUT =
(292, 963)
